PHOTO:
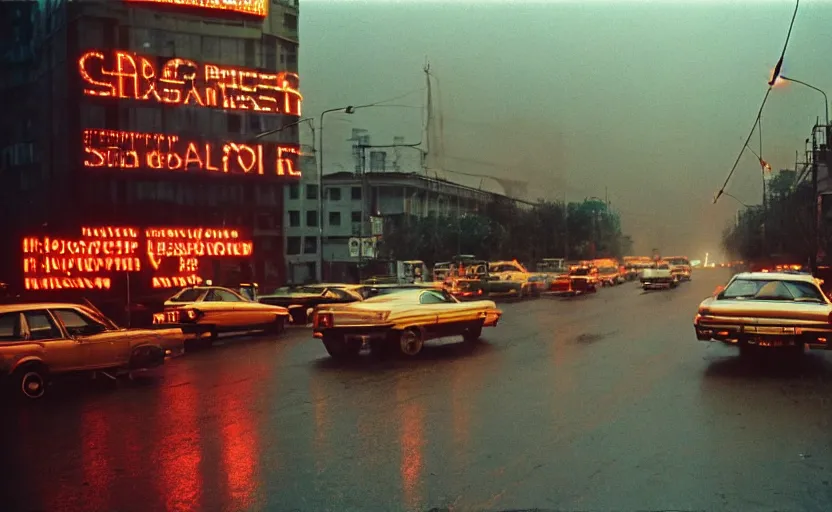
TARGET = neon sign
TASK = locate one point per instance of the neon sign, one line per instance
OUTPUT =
(126, 75)
(170, 255)
(156, 151)
(253, 7)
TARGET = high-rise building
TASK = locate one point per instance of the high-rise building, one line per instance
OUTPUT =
(143, 113)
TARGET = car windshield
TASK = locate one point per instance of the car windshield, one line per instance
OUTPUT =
(607, 270)
(772, 289)
(678, 261)
(580, 272)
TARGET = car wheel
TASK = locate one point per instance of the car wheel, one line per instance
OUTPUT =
(30, 380)
(146, 356)
(472, 334)
(411, 342)
(339, 348)
(277, 327)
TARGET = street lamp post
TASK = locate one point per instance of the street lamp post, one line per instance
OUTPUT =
(810, 86)
(349, 109)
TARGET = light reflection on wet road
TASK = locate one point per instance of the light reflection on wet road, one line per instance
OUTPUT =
(603, 402)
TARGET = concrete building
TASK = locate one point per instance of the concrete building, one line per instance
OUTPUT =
(353, 209)
(90, 103)
(301, 225)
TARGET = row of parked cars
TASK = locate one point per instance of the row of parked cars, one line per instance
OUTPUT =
(42, 341)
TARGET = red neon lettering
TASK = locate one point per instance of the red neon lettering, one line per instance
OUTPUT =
(252, 7)
(178, 81)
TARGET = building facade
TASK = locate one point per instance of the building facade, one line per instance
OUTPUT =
(144, 114)
(301, 223)
(355, 209)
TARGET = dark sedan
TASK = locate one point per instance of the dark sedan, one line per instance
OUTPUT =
(303, 298)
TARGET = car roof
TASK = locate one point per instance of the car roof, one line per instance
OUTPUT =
(29, 306)
(776, 276)
(404, 295)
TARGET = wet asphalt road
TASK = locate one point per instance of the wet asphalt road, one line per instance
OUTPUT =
(600, 403)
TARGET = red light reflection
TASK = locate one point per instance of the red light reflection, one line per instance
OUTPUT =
(411, 444)
(179, 482)
(239, 444)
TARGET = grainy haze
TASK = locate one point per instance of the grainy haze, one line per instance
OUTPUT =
(648, 100)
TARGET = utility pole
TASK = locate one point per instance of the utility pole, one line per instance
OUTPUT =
(813, 257)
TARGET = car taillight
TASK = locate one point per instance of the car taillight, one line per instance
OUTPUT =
(323, 320)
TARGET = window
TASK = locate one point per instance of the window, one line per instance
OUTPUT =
(310, 245)
(77, 324)
(335, 194)
(293, 245)
(41, 326)
(217, 295)
(10, 327)
(311, 191)
(762, 289)
(356, 216)
(432, 297)
(356, 193)
(334, 218)
(188, 295)
(294, 218)
(311, 218)
(290, 21)
(294, 191)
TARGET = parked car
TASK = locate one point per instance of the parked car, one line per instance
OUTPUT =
(581, 279)
(301, 299)
(213, 310)
(767, 310)
(401, 321)
(45, 340)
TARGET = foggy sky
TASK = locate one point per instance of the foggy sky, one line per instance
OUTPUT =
(650, 101)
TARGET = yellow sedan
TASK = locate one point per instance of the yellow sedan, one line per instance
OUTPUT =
(213, 310)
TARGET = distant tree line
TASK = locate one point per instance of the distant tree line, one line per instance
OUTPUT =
(504, 230)
(783, 229)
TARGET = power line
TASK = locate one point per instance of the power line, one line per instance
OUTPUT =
(762, 105)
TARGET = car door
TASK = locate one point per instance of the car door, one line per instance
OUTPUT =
(245, 313)
(437, 311)
(45, 340)
(101, 346)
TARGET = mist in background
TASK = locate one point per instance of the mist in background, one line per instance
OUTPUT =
(644, 103)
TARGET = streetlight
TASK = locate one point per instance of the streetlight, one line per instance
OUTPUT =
(810, 86)
(349, 109)
(309, 120)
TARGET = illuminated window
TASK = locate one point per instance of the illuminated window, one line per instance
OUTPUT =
(294, 219)
(294, 191)
(311, 191)
(334, 218)
(356, 193)
(356, 216)
(292, 245)
(335, 194)
(310, 245)
(312, 218)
